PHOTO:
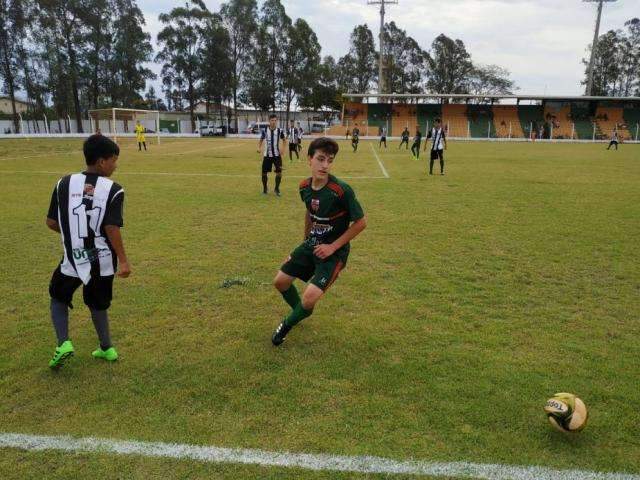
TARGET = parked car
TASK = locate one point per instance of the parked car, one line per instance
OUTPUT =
(255, 127)
(210, 130)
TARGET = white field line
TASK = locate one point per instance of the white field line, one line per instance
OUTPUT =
(384, 170)
(318, 462)
(182, 174)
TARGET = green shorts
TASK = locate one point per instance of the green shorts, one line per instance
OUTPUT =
(303, 264)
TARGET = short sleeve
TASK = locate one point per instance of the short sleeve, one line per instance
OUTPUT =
(281, 135)
(53, 206)
(352, 204)
(115, 209)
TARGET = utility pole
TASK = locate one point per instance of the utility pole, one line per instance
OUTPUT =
(594, 45)
(382, 83)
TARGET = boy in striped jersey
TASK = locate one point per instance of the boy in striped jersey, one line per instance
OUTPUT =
(272, 137)
(86, 210)
(333, 218)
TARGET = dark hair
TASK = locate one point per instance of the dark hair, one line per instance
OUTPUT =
(98, 146)
(273, 115)
(438, 120)
(326, 144)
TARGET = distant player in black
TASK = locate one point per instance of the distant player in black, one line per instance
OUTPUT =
(355, 138)
(271, 137)
(438, 146)
(417, 140)
(614, 140)
(405, 139)
(383, 137)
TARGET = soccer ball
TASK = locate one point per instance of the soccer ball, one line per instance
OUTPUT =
(566, 412)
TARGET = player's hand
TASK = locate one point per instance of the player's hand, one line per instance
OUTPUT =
(124, 269)
(324, 250)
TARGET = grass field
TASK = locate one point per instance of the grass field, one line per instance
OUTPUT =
(468, 300)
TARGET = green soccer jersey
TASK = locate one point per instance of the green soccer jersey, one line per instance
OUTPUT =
(332, 209)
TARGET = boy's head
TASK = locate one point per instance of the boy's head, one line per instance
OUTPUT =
(102, 153)
(273, 120)
(292, 123)
(322, 151)
(438, 122)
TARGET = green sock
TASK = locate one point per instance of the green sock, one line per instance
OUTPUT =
(291, 296)
(297, 315)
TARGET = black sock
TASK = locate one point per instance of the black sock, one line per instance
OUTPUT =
(60, 320)
(431, 166)
(278, 180)
(441, 166)
(264, 182)
(145, 146)
(101, 324)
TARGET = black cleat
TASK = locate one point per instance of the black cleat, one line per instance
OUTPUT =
(279, 335)
(278, 193)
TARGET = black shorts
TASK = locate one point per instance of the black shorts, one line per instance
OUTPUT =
(437, 154)
(269, 162)
(97, 294)
(293, 147)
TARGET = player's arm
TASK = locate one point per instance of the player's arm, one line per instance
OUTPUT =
(115, 238)
(307, 224)
(283, 140)
(53, 225)
(444, 139)
(326, 250)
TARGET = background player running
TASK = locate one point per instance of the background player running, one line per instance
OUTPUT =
(333, 218)
(86, 209)
(292, 135)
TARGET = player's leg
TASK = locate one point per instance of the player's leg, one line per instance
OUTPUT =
(139, 146)
(61, 289)
(266, 168)
(441, 156)
(278, 163)
(431, 160)
(290, 153)
(283, 282)
(144, 144)
(97, 295)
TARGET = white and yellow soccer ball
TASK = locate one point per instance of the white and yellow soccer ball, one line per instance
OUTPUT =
(566, 412)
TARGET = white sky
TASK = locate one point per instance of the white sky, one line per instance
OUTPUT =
(541, 42)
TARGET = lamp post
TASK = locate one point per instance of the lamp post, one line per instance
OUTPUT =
(594, 45)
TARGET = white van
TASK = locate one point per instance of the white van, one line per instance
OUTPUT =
(255, 127)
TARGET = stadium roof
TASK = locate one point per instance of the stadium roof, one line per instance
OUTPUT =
(497, 97)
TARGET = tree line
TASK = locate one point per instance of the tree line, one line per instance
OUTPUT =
(69, 56)
(616, 68)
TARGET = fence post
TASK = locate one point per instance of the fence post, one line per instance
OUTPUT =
(594, 132)
(637, 127)
(21, 125)
(46, 124)
(489, 129)
(509, 130)
(551, 131)
(573, 130)
(530, 130)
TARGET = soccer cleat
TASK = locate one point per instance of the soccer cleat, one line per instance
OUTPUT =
(264, 192)
(61, 355)
(281, 332)
(277, 193)
(110, 354)
(441, 173)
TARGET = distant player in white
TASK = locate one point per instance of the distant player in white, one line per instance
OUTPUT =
(614, 140)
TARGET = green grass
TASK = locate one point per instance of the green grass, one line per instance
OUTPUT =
(468, 300)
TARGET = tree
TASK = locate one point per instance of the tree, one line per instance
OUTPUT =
(215, 65)
(239, 19)
(131, 49)
(12, 30)
(407, 61)
(358, 68)
(324, 91)
(260, 79)
(301, 62)
(450, 66)
(490, 80)
(181, 40)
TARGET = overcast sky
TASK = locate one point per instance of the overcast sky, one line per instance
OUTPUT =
(541, 42)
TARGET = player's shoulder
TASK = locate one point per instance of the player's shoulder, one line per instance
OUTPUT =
(340, 187)
(306, 183)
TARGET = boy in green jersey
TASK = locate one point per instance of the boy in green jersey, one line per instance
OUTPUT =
(333, 218)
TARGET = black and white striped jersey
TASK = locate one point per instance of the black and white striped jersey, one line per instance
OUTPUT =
(293, 134)
(272, 141)
(437, 135)
(82, 204)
